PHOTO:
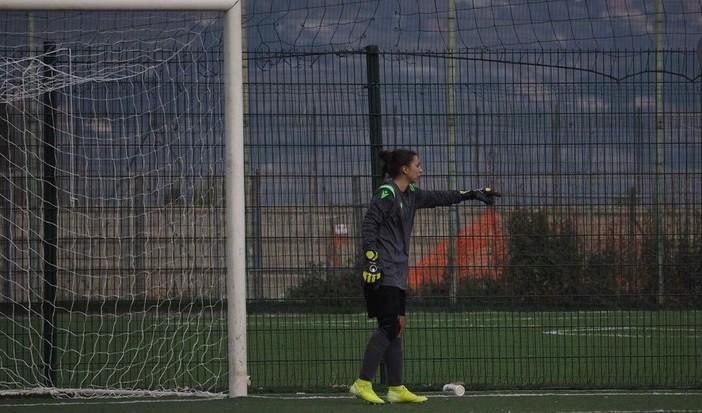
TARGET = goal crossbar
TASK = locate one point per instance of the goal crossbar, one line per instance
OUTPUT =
(127, 5)
(234, 152)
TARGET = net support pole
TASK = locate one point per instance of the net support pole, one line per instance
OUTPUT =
(235, 211)
(50, 206)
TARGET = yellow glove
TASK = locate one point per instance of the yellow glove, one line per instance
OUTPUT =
(372, 272)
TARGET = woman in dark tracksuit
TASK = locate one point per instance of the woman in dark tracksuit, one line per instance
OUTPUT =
(387, 227)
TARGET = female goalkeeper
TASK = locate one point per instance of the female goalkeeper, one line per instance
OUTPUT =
(386, 230)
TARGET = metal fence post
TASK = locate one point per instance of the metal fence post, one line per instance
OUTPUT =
(50, 225)
(375, 112)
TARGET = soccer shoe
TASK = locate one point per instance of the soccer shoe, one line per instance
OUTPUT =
(363, 389)
(400, 394)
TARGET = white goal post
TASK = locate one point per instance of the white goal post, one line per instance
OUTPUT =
(234, 151)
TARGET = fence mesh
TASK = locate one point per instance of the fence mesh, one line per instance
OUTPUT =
(586, 273)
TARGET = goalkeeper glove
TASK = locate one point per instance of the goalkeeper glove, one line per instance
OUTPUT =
(483, 194)
(372, 272)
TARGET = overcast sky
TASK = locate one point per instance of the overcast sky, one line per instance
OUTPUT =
(518, 95)
(422, 24)
(394, 24)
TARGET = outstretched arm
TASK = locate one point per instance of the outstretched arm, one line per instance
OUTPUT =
(431, 199)
(484, 195)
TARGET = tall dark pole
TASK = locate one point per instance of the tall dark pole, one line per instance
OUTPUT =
(374, 112)
(376, 133)
(6, 187)
(50, 208)
(659, 213)
(257, 233)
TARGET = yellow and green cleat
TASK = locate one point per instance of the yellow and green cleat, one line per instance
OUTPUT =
(400, 394)
(363, 389)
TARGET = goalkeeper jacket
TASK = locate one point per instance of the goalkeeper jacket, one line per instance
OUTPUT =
(387, 226)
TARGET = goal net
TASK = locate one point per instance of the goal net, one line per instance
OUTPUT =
(112, 268)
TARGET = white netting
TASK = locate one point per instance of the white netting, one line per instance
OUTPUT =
(111, 131)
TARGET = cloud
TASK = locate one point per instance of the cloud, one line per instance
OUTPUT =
(591, 103)
(634, 17)
(645, 103)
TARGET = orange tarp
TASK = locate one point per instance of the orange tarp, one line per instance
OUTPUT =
(479, 251)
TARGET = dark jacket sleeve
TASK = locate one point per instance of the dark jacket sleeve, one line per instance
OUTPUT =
(431, 199)
(378, 210)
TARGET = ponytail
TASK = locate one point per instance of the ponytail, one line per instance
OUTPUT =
(393, 161)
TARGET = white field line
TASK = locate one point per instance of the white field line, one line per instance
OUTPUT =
(505, 394)
(304, 396)
(622, 332)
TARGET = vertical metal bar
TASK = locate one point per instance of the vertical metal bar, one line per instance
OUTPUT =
(9, 217)
(30, 144)
(256, 234)
(376, 133)
(660, 131)
(236, 204)
(139, 240)
(50, 224)
(374, 112)
(451, 124)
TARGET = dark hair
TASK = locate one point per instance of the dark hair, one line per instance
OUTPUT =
(394, 160)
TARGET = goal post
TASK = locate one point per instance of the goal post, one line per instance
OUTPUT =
(233, 112)
(236, 226)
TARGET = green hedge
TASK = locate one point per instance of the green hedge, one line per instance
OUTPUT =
(546, 267)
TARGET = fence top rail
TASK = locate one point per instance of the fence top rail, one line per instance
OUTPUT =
(116, 5)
